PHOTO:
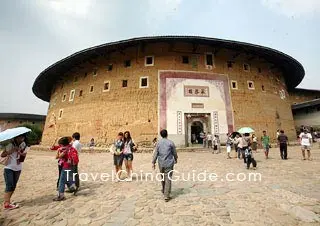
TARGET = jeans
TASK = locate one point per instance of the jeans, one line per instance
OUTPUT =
(65, 179)
(250, 160)
(283, 151)
(166, 180)
(60, 169)
(76, 176)
(11, 178)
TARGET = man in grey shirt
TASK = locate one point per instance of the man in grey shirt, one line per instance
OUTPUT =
(167, 156)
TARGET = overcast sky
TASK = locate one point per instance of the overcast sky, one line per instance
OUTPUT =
(36, 33)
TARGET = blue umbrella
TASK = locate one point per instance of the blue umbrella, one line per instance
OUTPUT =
(245, 130)
(12, 133)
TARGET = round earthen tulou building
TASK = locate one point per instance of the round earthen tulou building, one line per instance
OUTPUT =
(182, 83)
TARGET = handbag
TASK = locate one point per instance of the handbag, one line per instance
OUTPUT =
(4, 160)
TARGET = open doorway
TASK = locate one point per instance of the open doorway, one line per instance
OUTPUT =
(196, 129)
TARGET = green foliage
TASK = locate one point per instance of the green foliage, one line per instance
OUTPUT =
(33, 137)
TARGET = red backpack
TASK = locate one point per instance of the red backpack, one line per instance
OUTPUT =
(73, 157)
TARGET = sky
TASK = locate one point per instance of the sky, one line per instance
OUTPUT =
(37, 33)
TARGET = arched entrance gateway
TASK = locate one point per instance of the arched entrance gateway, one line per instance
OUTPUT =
(193, 102)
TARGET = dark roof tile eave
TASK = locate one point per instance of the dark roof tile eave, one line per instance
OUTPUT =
(291, 82)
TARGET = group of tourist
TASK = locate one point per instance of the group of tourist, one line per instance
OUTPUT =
(68, 149)
(245, 145)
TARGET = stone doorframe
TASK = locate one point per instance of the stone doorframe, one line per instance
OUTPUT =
(204, 118)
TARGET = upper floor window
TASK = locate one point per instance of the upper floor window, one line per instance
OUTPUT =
(64, 97)
(71, 97)
(229, 64)
(80, 93)
(144, 82)
(106, 86)
(124, 83)
(246, 67)
(110, 67)
(259, 70)
(95, 72)
(149, 61)
(91, 89)
(209, 59)
(127, 63)
(185, 59)
(60, 113)
(250, 84)
(234, 85)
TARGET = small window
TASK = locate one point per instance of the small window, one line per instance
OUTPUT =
(234, 85)
(250, 85)
(185, 59)
(64, 97)
(209, 59)
(262, 88)
(246, 67)
(80, 93)
(95, 72)
(20, 122)
(106, 86)
(229, 64)
(62, 86)
(127, 63)
(91, 89)
(60, 113)
(110, 67)
(33, 123)
(149, 61)
(124, 83)
(144, 83)
(75, 78)
(9, 121)
(71, 97)
(85, 74)
(259, 70)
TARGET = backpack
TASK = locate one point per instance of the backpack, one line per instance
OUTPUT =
(73, 157)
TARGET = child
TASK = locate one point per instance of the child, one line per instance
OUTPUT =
(91, 144)
(249, 158)
(118, 155)
(66, 167)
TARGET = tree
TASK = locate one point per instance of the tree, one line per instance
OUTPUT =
(33, 137)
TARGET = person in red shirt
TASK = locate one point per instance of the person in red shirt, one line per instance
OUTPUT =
(66, 177)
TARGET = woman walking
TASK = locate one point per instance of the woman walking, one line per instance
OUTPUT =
(15, 152)
(129, 146)
(254, 143)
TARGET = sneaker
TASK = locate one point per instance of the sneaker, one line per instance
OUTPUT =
(128, 179)
(59, 198)
(10, 206)
(166, 199)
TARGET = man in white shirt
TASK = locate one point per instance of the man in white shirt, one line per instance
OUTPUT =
(306, 141)
(77, 145)
(209, 139)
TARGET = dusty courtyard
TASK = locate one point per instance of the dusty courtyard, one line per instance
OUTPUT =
(287, 194)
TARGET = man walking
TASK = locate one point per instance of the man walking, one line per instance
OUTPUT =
(166, 155)
(306, 141)
(283, 144)
(77, 145)
(265, 140)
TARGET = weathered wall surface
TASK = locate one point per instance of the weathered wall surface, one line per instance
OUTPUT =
(102, 114)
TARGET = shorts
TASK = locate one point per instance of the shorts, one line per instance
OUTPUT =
(266, 148)
(128, 157)
(228, 149)
(117, 160)
(215, 147)
(305, 147)
(11, 178)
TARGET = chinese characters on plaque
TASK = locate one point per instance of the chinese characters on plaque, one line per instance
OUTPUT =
(196, 91)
